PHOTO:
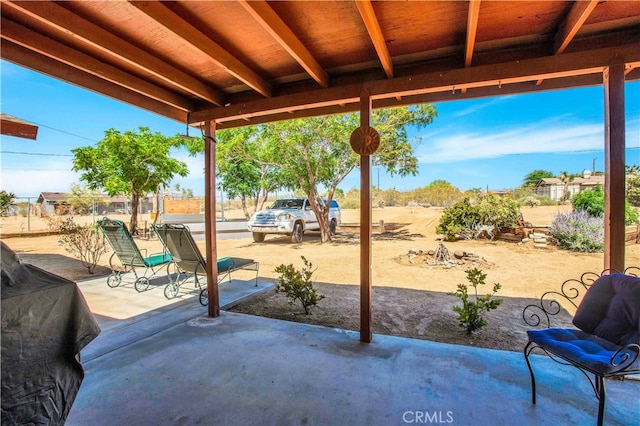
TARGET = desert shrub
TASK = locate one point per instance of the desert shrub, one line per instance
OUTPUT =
(502, 212)
(470, 314)
(546, 201)
(82, 241)
(461, 218)
(350, 203)
(592, 201)
(458, 219)
(579, 231)
(531, 201)
(297, 284)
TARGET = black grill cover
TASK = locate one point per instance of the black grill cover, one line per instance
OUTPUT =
(45, 324)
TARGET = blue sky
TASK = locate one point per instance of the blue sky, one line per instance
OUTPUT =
(488, 142)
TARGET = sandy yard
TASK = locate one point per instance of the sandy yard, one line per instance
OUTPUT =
(408, 299)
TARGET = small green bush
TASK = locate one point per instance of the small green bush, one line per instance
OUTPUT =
(297, 285)
(470, 314)
(592, 201)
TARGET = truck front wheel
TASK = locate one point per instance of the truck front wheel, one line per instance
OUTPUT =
(296, 235)
(258, 237)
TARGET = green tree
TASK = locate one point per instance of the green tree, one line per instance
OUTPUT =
(533, 178)
(439, 193)
(133, 163)
(314, 153)
(6, 199)
(83, 200)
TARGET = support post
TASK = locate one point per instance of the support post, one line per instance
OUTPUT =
(210, 217)
(614, 165)
(366, 329)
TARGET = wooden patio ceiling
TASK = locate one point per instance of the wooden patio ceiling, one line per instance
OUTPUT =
(247, 62)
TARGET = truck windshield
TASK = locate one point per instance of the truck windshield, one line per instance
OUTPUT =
(287, 204)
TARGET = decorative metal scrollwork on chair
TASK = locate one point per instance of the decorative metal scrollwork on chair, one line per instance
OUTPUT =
(606, 342)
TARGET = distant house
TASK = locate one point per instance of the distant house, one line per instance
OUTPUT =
(558, 190)
(50, 202)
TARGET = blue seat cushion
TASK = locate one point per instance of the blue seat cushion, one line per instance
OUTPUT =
(157, 259)
(587, 350)
(610, 309)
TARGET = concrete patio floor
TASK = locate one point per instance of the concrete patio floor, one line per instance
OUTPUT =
(173, 365)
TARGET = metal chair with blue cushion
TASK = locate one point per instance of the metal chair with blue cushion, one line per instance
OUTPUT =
(606, 342)
(129, 255)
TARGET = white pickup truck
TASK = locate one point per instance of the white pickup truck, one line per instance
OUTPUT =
(290, 216)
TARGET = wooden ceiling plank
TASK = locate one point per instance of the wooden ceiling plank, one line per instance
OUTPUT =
(76, 27)
(275, 26)
(174, 23)
(53, 68)
(23, 36)
(572, 24)
(375, 33)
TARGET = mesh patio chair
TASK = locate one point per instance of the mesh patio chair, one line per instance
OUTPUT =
(188, 262)
(129, 255)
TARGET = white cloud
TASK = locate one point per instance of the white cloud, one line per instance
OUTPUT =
(480, 106)
(30, 183)
(544, 137)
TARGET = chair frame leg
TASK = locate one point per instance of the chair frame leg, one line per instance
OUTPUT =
(601, 394)
(527, 351)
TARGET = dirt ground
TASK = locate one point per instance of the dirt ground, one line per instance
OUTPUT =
(409, 299)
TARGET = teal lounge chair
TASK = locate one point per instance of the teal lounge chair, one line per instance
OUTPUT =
(129, 255)
(187, 261)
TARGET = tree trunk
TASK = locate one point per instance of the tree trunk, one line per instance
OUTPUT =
(243, 201)
(133, 226)
(322, 214)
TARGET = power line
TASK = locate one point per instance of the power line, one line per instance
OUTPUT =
(65, 132)
(36, 153)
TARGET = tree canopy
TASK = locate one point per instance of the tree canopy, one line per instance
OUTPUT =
(313, 154)
(134, 163)
(533, 178)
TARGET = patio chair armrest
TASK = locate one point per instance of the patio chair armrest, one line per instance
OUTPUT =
(625, 358)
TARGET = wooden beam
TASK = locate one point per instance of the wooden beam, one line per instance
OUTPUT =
(174, 23)
(210, 217)
(489, 77)
(614, 162)
(37, 62)
(472, 29)
(576, 18)
(373, 28)
(275, 26)
(31, 40)
(15, 127)
(366, 323)
(73, 26)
